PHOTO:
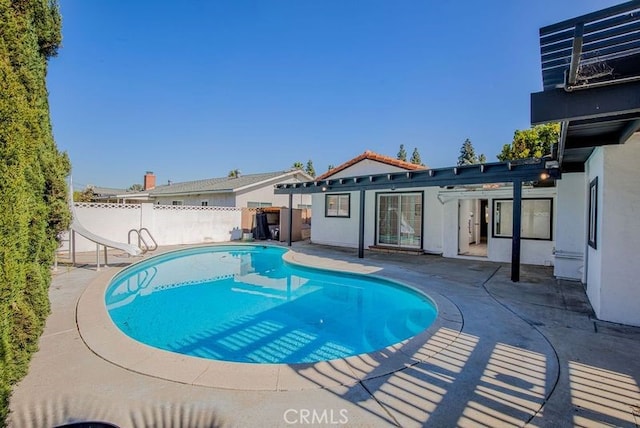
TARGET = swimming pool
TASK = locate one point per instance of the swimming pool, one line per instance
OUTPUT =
(245, 304)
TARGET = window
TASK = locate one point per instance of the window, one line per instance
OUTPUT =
(258, 204)
(204, 203)
(593, 213)
(176, 202)
(337, 205)
(535, 219)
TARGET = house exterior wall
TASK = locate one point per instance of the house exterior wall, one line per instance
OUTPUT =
(613, 270)
(265, 194)
(213, 199)
(440, 220)
(434, 219)
(365, 167)
(338, 231)
(536, 252)
(570, 227)
(594, 167)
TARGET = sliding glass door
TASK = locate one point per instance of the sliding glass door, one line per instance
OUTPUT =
(399, 219)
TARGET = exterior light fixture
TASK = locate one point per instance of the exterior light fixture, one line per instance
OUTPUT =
(544, 176)
(324, 188)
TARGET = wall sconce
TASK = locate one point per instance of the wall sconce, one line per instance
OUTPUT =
(324, 188)
(544, 176)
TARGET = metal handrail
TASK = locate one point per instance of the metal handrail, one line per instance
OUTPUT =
(155, 244)
(142, 243)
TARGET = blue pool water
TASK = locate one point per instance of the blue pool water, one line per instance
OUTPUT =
(245, 304)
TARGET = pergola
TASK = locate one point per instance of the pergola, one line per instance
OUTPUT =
(515, 172)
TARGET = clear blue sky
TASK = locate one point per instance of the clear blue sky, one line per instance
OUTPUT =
(194, 89)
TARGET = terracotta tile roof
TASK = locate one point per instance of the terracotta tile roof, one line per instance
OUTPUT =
(374, 157)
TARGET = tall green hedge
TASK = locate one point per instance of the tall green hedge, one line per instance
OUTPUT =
(33, 207)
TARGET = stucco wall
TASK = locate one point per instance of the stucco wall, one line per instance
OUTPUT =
(338, 231)
(613, 282)
(570, 227)
(213, 200)
(265, 194)
(537, 252)
(169, 225)
(594, 167)
(366, 167)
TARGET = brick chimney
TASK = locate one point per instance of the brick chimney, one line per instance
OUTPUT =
(149, 180)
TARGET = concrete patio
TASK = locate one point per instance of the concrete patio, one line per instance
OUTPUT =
(501, 354)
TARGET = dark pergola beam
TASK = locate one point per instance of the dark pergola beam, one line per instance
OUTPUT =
(502, 172)
(629, 130)
(557, 105)
(576, 51)
(578, 142)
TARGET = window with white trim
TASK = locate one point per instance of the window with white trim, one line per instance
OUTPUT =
(204, 203)
(176, 202)
(535, 221)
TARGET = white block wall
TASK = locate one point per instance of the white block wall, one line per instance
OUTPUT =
(169, 225)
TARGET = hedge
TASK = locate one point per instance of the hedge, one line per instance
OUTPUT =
(33, 194)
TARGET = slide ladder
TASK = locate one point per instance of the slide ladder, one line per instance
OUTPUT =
(143, 244)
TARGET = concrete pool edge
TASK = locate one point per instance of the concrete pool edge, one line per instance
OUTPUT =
(102, 336)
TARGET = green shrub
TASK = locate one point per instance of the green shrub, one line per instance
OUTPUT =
(33, 209)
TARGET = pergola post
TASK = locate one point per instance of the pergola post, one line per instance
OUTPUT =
(361, 228)
(517, 221)
(290, 218)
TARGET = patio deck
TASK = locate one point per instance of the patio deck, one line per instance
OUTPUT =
(501, 353)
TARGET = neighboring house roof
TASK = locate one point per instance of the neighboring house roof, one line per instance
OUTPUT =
(374, 157)
(224, 184)
(106, 191)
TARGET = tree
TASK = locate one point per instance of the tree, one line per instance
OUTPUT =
(34, 207)
(135, 188)
(402, 153)
(297, 165)
(86, 195)
(534, 142)
(234, 173)
(467, 154)
(415, 157)
(310, 169)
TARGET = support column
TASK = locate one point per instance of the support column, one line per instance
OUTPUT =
(290, 218)
(361, 228)
(515, 240)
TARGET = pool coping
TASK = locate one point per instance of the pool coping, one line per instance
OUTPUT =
(103, 337)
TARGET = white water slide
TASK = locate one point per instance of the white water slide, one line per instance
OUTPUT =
(77, 227)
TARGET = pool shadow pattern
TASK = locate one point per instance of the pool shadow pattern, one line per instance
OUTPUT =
(458, 377)
(292, 333)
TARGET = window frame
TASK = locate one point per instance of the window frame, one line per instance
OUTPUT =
(339, 196)
(177, 202)
(204, 203)
(522, 236)
(253, 204)
(592, 230)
